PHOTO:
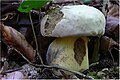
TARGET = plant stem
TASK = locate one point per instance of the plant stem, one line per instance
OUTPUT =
(35, 39)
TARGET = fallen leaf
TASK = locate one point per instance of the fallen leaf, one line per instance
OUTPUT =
(112, 27)
(113, 10)
(17, 40)
(106, 44)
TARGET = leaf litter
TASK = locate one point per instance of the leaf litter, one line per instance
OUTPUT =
(13, 65)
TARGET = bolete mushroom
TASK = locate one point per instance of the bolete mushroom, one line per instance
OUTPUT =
(71, 25)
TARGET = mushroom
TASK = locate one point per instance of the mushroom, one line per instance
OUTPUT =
(71, 25)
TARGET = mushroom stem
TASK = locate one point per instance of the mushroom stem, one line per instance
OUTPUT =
(69, 52)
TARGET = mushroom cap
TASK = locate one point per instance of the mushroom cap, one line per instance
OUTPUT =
(75, 20)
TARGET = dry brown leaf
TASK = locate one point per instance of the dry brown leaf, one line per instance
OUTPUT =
(112, 27)
(113, 10)
(106, 44)
(17, 40)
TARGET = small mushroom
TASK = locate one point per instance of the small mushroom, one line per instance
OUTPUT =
(72, 25)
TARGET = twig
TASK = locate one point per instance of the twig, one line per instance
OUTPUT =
(116, 49)
(40, 45)
(52, 67)
(93, 64)
(111, 56)
(35, 39)
(12, 70)
(61, 68)
(110, 51)
(23, 56)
